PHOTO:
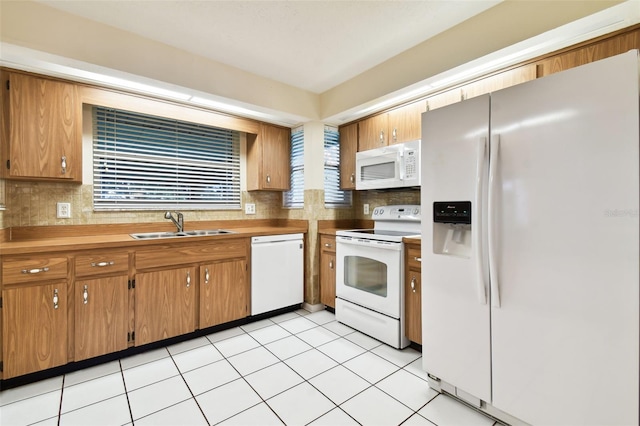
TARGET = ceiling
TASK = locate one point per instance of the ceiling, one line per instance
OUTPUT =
(311, 45)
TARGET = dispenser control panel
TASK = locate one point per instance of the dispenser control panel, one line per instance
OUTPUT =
(452, 212)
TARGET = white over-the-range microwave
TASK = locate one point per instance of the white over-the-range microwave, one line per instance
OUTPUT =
(393, 166)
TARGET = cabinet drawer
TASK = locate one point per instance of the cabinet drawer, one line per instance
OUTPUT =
(414, 256)
(328, 243)
(102, 263)
(34, 269)
(189, 253)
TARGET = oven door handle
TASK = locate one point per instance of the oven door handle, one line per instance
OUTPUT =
(374, 244)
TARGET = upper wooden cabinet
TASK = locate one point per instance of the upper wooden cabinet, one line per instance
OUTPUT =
(348, 149)
(396, 126)
(405, 122)
(499, 81)
(42, 129)
(268, 159)
(373, 132)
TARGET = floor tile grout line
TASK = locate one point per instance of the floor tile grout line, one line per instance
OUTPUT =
(61, 396)
(124, 383)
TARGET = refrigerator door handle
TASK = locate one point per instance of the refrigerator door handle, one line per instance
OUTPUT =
(491, 211)
(477, 229)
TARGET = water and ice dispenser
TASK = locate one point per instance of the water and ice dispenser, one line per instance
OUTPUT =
(452, 228)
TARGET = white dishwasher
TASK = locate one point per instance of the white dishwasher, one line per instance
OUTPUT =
(277, 272)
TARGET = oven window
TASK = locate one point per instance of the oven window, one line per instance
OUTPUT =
(366, 274)
(378, 171)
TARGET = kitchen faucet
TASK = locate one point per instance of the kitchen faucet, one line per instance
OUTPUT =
(178, 223)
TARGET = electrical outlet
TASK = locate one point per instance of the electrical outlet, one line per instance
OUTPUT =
(63, 210)
(250, 208)
(366, 209)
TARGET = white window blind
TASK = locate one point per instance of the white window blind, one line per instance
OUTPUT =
(295, 197)
(333, 195)
(142, 162)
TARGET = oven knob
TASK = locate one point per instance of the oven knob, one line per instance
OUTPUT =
(416, 211)
(380, 211)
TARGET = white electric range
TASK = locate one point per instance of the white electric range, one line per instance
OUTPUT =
(370, 274)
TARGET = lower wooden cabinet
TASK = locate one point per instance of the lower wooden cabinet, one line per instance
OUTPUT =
(328, 270)
(165, 304)
(101, 309)
(34, 328)
(413, 293)
(224, 292)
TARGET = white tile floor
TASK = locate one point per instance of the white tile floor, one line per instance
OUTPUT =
(293, 369)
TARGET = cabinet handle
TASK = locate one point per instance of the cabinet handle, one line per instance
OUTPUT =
(381, 137)
(417, 259)
(413, 284)
(268, 178)
(85, 295)
(331, 264)
(35, 271)
(188, 279)
(206, 275)
(103, 264)
(353, 178)
(63, 164)
(328, 245)
(394, 135)
(55, 299)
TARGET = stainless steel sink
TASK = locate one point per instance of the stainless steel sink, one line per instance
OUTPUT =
(198, 233)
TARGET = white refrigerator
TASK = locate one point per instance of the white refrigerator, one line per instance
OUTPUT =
(530, 248)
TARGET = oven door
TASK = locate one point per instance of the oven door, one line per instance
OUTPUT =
(369, 273)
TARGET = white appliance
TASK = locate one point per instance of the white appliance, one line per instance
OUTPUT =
(277, 272)
(370, 274)
(530, 248)
(393, 166)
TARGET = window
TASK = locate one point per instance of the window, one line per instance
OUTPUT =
(142, 162)
(295, 197)
(333, 195)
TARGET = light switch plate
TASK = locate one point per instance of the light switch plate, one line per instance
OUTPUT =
(63, 210)
(250, 208)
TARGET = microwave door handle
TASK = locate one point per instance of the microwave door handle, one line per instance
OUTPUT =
(401, 164)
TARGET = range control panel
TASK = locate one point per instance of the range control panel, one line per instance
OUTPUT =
(452, 212)
(399, 212)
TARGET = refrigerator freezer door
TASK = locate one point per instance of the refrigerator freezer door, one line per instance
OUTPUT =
(455, 312)
(565, 335)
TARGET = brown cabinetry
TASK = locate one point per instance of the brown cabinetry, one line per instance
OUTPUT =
(165, 304)
(348, 149)
(328, 270)
(224, 292)
(373, 132)
(268, 159)
(399, 125)
(42, 124)
(101, 304)
(405, 122)
(34, 314)
(413, 293)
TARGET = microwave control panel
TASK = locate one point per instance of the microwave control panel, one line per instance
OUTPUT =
(411, 164)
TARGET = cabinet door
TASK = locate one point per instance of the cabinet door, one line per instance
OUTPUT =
(268, 159)
(328, 278)
(405, 122)
(224, 292)
(34, 328)
(413, 305)
(44, 135)
(348, 149)
(164, 304)
(372, 132)
(101, 309)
